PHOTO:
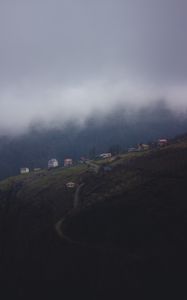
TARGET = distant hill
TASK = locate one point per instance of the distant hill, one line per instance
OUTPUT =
(115, 132)
(128, 231)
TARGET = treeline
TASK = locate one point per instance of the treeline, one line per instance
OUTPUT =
(114, 133)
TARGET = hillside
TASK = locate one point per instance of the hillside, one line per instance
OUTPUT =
(129, 229)
(117, 130)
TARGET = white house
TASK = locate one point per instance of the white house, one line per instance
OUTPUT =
(105, 155)
(24, 170)
(70, 185)
(53, 163)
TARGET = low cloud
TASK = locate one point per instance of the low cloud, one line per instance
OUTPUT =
(66, 60)
(58, 105)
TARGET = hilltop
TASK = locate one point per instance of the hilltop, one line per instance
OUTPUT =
(120, 129)
(128, 229)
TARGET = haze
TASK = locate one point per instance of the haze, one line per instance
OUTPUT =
(64, 60)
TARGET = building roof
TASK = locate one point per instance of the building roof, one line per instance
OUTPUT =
(53, 160)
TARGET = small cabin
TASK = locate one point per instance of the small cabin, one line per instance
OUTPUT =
(105, 155)
(162, 142)
(68, 162)
(70, 185)
(53, 163)
(24, 170)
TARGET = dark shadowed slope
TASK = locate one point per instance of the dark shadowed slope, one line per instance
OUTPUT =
(129, 229)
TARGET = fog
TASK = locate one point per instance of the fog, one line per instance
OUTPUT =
(65, 60)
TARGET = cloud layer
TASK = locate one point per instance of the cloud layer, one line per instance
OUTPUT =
(65, 59)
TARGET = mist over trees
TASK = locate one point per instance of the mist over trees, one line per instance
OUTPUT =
(114, 132)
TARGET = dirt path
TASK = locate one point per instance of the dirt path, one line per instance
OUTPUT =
(77, 194)
(58, 229)
(58, 225)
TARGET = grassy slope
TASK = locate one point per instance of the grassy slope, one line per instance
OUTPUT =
(132, 219)
(154, 184)
(41, 197)
(139, 211)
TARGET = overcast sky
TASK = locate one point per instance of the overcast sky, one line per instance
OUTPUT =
(63, 59)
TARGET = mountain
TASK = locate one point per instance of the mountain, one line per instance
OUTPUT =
(127, 231)
(115, 131)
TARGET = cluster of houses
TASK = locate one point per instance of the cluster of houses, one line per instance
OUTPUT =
(144, 147)
(68, 162)
(52, 163)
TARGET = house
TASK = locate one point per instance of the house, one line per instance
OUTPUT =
(68, 162)
(24, 170)
(162, 142)
(70, 185)
(53, 163)
(105, 155)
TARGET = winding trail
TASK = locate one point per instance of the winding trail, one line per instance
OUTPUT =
(58, 225)
(58, 229)
(77, 194)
